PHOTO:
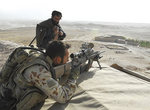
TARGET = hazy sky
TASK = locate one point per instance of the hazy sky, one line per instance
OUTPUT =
(136, 11)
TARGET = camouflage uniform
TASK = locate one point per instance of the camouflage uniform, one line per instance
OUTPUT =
(32, 83)
(43, 80)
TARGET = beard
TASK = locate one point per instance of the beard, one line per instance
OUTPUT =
(54, 22)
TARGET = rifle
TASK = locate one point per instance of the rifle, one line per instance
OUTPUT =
(77, 59)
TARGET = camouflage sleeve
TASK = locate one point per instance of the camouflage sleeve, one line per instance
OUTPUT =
(43, 80)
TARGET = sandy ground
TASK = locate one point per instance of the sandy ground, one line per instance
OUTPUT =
(130, 57)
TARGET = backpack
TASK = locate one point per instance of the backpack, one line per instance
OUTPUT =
(16, 58)
(43, 35)
(41, 32)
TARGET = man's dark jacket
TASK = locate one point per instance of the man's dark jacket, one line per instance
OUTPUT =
(45, 33)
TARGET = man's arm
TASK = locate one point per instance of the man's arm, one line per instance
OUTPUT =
(62, 34)
(43, 80)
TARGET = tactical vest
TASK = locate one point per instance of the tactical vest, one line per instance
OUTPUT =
(26, 94)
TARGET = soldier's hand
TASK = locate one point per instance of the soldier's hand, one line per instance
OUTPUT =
(89, 65)
(85, 67)
(61, 33)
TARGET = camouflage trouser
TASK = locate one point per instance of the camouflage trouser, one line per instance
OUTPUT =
(10, 104)
(7, 104)
(32, 101)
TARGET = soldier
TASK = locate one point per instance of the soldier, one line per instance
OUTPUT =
(34, 80)
(45, 31)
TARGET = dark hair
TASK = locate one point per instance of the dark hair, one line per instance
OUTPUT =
(57, 13)
(56, 48)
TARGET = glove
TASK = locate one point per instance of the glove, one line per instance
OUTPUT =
(75, 72)
(61, 37)
(86, 67)
(89, 65)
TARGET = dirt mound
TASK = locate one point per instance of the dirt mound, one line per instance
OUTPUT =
(6, 47)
